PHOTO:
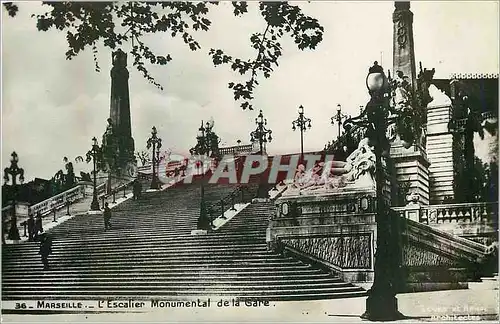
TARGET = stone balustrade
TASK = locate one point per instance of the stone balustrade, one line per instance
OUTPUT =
(450, 213)
(474, 221)
(248, 148)
(58, 201)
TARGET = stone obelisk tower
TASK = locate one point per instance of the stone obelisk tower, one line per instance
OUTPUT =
(411, 165)
(120, 115)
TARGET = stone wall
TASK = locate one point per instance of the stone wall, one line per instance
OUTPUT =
(440, 151)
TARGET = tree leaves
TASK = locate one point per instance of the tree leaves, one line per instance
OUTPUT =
(113, 23)
(12, 9)
(281, 18)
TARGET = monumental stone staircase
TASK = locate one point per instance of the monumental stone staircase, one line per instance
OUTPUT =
(149, 252)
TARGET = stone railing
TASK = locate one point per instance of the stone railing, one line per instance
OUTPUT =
(58, 201)
(474, 221)
(450, 213)
(248, 148)
(63, 199)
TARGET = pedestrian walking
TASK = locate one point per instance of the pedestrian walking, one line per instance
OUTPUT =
(136, 189)
(45, 249)
(31, 228)
(38, 224)
(107, 217)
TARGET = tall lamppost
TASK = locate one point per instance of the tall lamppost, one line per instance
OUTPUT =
(14, 171)
(94, 154)
(155, 142)
(381, 303)
(203, 148)
(338, 119)
(261, 133)
(302, 123)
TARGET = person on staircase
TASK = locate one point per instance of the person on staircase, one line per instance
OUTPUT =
(38, 225)
(31, 228)
(137, 188)
(45, 249)
(107, 216)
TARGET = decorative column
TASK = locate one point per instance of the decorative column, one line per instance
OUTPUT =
(410, 165)
(403, 47)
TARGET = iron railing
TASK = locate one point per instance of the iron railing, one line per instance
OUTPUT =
(241, 194)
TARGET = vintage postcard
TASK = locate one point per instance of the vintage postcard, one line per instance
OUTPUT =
(231, 161)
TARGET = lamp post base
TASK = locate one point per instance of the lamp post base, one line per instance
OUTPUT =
(381, 307)
(14, 233)
(155, 183)
(94, 205)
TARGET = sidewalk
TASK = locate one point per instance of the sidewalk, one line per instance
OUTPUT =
(440, 306)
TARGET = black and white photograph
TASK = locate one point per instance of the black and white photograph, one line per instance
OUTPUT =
(249, 162)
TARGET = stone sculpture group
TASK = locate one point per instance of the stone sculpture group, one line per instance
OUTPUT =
(356, 171)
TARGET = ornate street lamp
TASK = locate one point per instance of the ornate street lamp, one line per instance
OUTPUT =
(261, 133)
(301, 122)
(94, 154)
(338, 119)
(14, 171)
(155, 142)
(203, 147)
(380, 112)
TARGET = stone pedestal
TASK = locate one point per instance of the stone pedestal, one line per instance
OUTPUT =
(411, 167)
(334, 230)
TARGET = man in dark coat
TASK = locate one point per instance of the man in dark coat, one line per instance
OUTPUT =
(107, 216)
(38, 224)
(45, 249)
(135, 189)
(31, 228)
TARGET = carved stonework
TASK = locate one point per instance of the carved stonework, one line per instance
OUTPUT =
(402, 35)
(416, 256)
(357, 171)
(346, 252)
(353, 204)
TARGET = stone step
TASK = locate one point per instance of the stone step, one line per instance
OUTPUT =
(184, 291)
(165, 272)
(136, 264)
(69, 255)
(302, 295)
(227, 278)
(173, 285)
(168, 260)
(154, 238)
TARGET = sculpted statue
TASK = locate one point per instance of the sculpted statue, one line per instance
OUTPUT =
(107, 138)
(401, 93)
(337, 174)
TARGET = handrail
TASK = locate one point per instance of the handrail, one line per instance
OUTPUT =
(220, 206)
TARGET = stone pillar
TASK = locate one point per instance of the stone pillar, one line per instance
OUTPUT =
(403, 48)
(439, 146)
(410, 166)
(120, 115)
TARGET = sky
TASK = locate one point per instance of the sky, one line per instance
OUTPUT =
(52, 107)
